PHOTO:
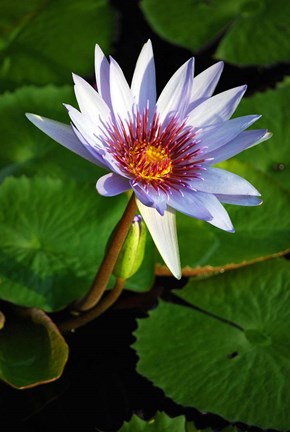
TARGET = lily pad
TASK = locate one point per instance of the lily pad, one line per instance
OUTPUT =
(53, 237)
(195, 24)
(261, 231)
(160, 423)
(26, 150)
(32, 351)
(42, 42)
(226, 350)
(273, 156)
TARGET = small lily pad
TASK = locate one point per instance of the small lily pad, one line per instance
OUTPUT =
(226, 350)
(32, 351)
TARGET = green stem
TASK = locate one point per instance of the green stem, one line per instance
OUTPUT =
(101, 280)
(101, 307)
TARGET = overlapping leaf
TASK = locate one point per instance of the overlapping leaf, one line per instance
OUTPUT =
(32, 351)
(42, 41)
(228, 350)
(252, 32)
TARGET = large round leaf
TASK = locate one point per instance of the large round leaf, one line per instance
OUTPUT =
(26, 150)
(32, 351)
(273, 156)
(53, 235)
(228, 350)
(43, 41)
(194, 24)
(260, 231)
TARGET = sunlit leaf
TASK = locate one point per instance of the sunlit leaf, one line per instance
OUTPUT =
(227, 350)
(32, 351)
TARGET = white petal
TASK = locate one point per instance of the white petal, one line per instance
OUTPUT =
(175, 96)
(102, 69)
(220, 218)
(217, 108)
(112, 184)
(90, 102)
(242, 142)
(144, 83)
(98, 155)
(219, 181)
(163, 232)
(121, 95)
(86, 127)
(220, 134)
(205, 83)
(63, 134)
(241, 200)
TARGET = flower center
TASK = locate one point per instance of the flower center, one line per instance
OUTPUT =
(150, 162)
(165, 157)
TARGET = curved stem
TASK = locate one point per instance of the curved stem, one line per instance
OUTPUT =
(103, 275)
(101, 307)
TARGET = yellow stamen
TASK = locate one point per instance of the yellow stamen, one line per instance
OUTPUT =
(150, 162)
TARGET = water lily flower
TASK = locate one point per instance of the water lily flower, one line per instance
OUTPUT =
(162, 149)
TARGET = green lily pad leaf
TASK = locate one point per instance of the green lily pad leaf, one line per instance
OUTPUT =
(258, 20)
(2, 320)
(32, 351)
(194, 24)
(160, 423)
(25, 149)
(42, 42)
(229, 347)
(261, 232)
(273, 156)
(53, 237)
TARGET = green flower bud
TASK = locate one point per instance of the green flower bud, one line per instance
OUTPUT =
(132, 252)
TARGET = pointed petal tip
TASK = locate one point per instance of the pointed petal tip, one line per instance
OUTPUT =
(76, 78)
(31, 116)
(177, 275)
(163, 233)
